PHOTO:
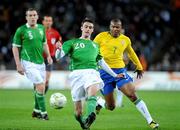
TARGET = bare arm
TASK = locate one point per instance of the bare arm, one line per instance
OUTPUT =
(19, 67)
(46, 50)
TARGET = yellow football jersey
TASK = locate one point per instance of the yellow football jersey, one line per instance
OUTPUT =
(112, 50)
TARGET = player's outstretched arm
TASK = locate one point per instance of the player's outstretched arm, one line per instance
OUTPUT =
(105, 67)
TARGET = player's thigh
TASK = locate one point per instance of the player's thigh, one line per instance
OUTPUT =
(77, 90)
(128, 89)
(93, 89)
(33, 72)
(108, 91)
(42, 70)
(92, 79)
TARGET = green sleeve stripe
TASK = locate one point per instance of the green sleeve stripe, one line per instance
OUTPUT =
(16, 45)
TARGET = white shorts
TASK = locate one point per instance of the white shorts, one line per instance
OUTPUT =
(34, 72)
(80, 80)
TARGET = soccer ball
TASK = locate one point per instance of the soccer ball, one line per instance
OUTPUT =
(57, 100)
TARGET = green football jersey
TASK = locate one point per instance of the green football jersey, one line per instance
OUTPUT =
(84, 54)
(30, 40)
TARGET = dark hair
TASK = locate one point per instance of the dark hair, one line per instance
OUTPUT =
(47, 15)
(87, 20)
(31, 9)
(116, 20)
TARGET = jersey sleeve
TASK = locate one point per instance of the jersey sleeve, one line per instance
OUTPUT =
(67, 46)
(17, 39)
(132, 56)
(97, 39)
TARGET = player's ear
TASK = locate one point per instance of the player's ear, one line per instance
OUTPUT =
(37, 16)
(26, 17)
(93, 29)
(81, 28)
(43, 21)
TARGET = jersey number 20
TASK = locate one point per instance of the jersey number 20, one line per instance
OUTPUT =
(79, 45)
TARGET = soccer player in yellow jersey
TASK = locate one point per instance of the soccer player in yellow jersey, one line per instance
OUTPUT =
(113, 44)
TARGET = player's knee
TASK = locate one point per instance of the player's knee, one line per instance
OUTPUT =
(111, 107)
(40, 88)
(132, 97)
(47, 82)
(78, 112)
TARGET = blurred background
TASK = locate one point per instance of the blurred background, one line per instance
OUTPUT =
(152, 25)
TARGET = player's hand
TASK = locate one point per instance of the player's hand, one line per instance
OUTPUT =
(121, 75)
(58, 45)
(139, 73)
(49, 59)
(20, 69)
(58, 54)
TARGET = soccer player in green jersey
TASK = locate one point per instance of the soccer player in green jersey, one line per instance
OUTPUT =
(85, 79)
(29, 42)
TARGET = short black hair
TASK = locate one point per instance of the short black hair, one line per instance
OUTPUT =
(31, 9)
(47, 15)
(87, 20)
(116, 20)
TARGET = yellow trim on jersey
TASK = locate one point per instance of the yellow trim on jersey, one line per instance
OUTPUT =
(112, 49)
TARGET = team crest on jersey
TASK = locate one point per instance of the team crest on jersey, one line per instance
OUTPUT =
(53, 40)
(123, 42)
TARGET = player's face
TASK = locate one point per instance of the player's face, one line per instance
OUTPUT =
(47, 22)
(87, 28)
(115, 28)
(32, 17)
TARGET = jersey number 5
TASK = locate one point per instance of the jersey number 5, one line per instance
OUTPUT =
(30, 35)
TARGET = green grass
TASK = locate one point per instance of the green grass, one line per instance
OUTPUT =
(16, 108)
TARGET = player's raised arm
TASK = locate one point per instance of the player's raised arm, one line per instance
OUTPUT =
(64, 49)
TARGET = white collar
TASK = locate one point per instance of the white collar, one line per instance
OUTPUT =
(28, 26)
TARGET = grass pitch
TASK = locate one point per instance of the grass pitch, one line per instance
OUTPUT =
(16, 108)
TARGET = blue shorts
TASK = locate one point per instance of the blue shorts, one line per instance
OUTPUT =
(110, 82)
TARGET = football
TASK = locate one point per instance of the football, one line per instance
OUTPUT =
(58, 100)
